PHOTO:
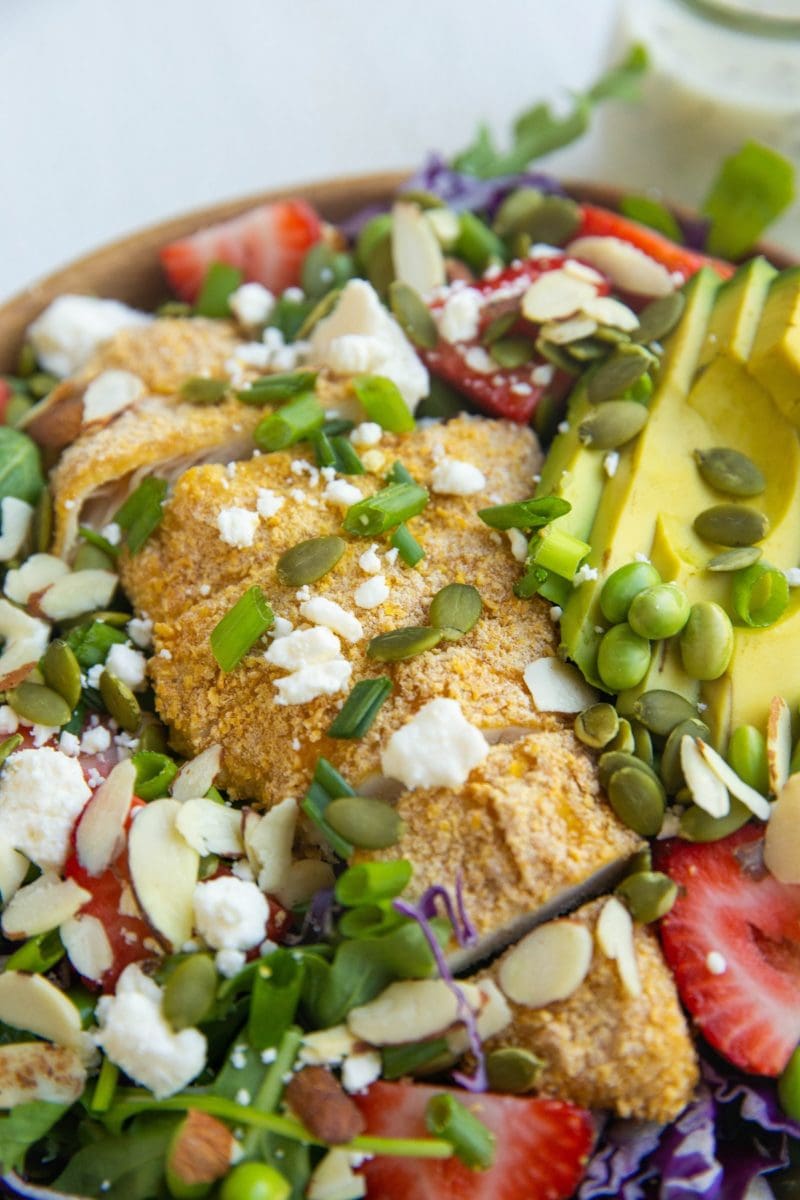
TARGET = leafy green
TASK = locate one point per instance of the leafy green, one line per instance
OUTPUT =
(650, 212)
(131, 1163)
(752, 188)
(20, 466)
(91, 643)
(274, 998)
(23, 1126)
(539, 130)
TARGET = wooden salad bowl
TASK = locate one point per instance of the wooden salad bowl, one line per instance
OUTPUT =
(129, 269)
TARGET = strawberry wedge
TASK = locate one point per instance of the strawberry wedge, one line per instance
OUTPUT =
(541, 1147)
(267, 245)
(732, 940)
(602, 222)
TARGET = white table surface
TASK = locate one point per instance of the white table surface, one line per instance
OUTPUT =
(116, 113)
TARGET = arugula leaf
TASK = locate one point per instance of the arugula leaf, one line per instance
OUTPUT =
(539, 130)
(751, 189)
(650, 212)
(127, 1166)
(23, 1126)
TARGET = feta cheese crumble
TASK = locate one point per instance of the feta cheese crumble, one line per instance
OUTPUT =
(140, 631)
(368, 433)
(321, 611)
(268, 503)
(454, 477)
(460, 316)
(341, 493)
(313, 658)
(72, 328)
(437, 748)
(237, 526)
(95, 741)
(230, 914)
(519, 544)
(42, 794)
(129, 665)
(369, 561)
(372, 592)
(251, 304)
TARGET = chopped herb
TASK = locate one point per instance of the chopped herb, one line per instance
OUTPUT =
(273, 389)
(407, 546)
(240, 628)
(91, 643)
(448, 1118)
(348, 461)
(221, 280)
(752, 188)
(397, 473)
(383, 403)
(525, 514)
(389, 507)
(142, 512)
(361, 708)
(295, 421)
(329, 778)
(274, 998)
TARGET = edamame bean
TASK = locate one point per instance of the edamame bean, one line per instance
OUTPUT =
(706, 641)
(747, 755)
(659, 612)
(618, 591)
(255, 1181)
(623, 658)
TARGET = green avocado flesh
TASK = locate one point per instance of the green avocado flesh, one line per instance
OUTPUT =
(730, 376)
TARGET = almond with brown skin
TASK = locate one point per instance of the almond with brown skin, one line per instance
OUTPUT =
(201, 1150)
(317, 1099)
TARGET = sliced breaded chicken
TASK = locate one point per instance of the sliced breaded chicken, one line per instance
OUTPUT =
(603, 1047)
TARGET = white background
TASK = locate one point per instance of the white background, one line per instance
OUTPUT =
(115, 113)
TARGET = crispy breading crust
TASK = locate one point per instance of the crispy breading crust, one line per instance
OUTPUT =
(165, 353)
(603, 1048)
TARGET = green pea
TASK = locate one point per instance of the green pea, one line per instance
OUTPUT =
(255, 1181)
(622, 658)
(789, 1087)
(622, 585)
(659, 612)
(190, 991)
(747, 754)
(706, 641)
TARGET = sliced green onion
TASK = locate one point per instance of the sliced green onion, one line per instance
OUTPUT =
(274, 999)
(348, 461)
(323, 449)
(525, 514)
(407, 546)
(38, 954)
(296, 420)
(373, 882)
(389, 507)
(559, 551)
(313, 804)
(530, 583)
(221, 279)
(334, 426)
(240, 628)
(760, 595)
(290, 316)
(105, 1088)
(200, 389)
(397, 473)
(406, 1060)
(98, 541)
(383, 403)
(154, 773)
(477, 244)
(360, 708)
(274, 389)
(369, 920)
(142, 512)
(326, 775)
(472, 1142)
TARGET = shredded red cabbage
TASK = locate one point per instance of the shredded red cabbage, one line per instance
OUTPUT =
(472, 1083)
(619, 1166)
(463, 928)
(757, 1098)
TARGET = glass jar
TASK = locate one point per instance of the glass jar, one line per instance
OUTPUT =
(721, 72)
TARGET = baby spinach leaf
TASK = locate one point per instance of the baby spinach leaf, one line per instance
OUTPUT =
(20, 466)
(127, 1166)
(23, 1126)
(650, 212)
(752, 189)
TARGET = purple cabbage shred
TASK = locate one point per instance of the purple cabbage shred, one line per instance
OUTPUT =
(463, 928)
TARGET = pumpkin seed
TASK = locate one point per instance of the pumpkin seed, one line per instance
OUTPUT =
(616, 760)
(455, 609)
(39, 704)
(320, 310)
(364, 821)
(670, 767)
(517, 211)
(597, 725)
(730, 471)
(62, 671)
(731, 525)
(659, 317)
(92, 558)
(511, 352)
(9, 745)
(614, 337)
(120, 701)
(648, 895)
(498, 327)
(625, 366)
(557, 356)
(379, 265)
(413, 315)
(642, 743)
(42, 523)
(308, 561)
(624, 739)
(398, 644)
(424, 199)
(697, 825)
(638, 799)
(587, 349)
(153, 736)
(617, 422)
(737, 559)
(660, 710)
(190, 991)
(202, 389)
(554, 221)
(706, 641)
(512, 1070)
(108, 616)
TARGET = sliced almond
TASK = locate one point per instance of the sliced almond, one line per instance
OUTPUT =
(614, 935)
(35, 574)
(303, 880)
(56, 421)
(25, 641)
(782, 835)
(561, 333)
(327, 1047)
(42, 905)
(445, 225)
(581, 271)
(492, 1016)
(211, 828)
(201, 1152)
(555, 295)
(33, 1003)
(333, 1178)
(16, 521)
(109, 394)
(407, 1011)
(31, 1071)
(557, 686)
(708, 790)
(13, 869)
(779, 743)
(268, 841)
(548, 965)
(100, 835)
(164, 870)
(88, 948)
(77, 593)
(759, 806)
(416, 253)
(198, 774)
(607, 311)
(626, 266)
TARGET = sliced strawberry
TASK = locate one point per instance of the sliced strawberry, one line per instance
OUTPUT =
(602, 222)
(5, 396)
(729, 905)
(510, 392)
(267, 244)
(541, 1147)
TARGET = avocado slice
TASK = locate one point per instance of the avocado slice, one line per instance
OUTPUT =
(775, 357)
(737, 312)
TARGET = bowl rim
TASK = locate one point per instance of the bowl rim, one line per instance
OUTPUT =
(128, 268)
